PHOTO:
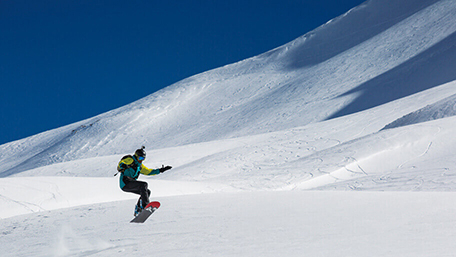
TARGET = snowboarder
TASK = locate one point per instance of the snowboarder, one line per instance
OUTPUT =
(130, 167)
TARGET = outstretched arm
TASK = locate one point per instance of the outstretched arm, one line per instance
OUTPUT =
(150, 172)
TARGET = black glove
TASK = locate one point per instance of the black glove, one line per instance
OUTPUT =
(163, 169)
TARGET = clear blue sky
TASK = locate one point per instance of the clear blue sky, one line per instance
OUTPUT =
(62, 61)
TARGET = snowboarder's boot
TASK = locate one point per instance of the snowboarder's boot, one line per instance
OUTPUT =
(138, 208)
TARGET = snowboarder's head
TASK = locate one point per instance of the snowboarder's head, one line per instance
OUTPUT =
(140, 154)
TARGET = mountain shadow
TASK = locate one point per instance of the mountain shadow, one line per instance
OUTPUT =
(431, 68)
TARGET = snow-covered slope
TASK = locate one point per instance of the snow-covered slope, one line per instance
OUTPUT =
(330, 224)
(366, 102)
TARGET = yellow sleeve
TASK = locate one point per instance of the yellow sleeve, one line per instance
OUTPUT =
(149, 172)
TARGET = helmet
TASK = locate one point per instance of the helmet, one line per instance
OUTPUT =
(141, 153)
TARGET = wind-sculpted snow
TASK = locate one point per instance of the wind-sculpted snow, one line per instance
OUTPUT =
(441, 109)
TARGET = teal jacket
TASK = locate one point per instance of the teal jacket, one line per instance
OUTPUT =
(130, 168)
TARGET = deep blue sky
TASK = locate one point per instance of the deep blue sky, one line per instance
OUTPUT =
(63, 61)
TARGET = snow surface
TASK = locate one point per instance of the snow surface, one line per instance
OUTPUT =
(339, 143)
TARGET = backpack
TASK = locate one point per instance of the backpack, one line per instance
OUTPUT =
(121, 168)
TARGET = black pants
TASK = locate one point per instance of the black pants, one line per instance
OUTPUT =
(138, 187)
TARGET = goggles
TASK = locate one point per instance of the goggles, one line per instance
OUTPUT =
(141, 158)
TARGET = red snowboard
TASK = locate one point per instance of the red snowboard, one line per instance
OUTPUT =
(150, 208)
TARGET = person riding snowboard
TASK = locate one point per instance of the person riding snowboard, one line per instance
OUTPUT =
(130, 167)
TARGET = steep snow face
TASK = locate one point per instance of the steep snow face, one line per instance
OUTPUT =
(381, 51)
